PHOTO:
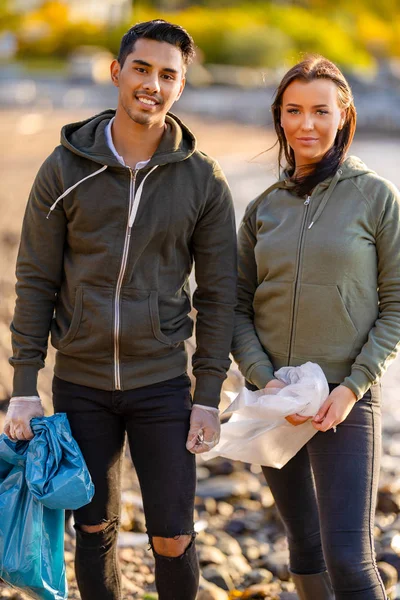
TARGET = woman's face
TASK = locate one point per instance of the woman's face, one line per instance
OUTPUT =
(310, 118)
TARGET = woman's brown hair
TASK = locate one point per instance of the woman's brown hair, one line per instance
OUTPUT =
(315, 67)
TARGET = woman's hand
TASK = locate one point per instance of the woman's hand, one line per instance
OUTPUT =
(335, 409)
(292, 419)
(296, 419)
(275, 384)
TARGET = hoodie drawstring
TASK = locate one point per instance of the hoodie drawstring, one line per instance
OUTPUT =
(325, 199)
(136, 200)
(52, 207)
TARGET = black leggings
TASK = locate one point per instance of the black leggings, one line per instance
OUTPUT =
(326, 496)
(156, 420)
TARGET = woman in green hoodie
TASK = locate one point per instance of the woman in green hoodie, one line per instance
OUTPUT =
(319, 280)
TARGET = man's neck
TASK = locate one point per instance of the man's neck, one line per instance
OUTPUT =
(135, 142)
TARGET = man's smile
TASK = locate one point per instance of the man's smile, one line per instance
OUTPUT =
(146, 100)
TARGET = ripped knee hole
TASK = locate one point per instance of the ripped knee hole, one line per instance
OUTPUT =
(171, 547)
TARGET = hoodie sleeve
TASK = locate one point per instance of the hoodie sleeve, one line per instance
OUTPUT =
(384, 338)
(39, 272)
(247, 350)
(214, 251)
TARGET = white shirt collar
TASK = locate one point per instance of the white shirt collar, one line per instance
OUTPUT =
(139, 165)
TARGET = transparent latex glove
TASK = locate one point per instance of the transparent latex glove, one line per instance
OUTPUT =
(20, 412)
(205, 429)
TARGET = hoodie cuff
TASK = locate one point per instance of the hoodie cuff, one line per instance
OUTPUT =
(208, 390)
(260, 375)
(25, 380)
(358, 382)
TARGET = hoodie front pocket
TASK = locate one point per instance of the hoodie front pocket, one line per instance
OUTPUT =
(272, 304)
(90, 333)
(141, 333)
(323, 327)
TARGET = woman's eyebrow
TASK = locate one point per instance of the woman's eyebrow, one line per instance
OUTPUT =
(300, 105)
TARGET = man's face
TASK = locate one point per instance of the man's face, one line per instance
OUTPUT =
(150, 81)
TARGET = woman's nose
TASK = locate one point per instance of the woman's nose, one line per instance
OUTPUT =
(308, 123)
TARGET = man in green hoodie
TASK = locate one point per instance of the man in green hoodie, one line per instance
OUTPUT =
(118, 214)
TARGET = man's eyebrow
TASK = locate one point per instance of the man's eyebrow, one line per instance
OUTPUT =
(141, 62)
(138, 61)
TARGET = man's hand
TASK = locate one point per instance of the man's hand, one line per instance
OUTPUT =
(20, 412)
(205, 429)
(335, 409)
(292, 419)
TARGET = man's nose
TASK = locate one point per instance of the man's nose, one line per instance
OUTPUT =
(152, 84)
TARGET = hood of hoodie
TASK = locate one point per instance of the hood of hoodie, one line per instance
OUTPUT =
(351, 167)
(87, 138)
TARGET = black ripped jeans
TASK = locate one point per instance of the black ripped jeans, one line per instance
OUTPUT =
(156, 420)
(326, 496)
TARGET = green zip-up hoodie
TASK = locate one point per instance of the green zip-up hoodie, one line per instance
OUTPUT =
(319, 279)
(107, 271)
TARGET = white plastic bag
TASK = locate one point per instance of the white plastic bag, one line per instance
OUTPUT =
(258, 432)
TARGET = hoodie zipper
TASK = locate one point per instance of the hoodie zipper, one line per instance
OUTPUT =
(117, 307)
(296, 280)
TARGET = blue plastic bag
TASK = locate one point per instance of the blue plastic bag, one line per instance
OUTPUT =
(38, 480)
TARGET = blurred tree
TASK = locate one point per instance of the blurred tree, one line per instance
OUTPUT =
(245, 32)
(9, 20)
(256, 45)
(48, 31)
(375, 33)
(171, 5)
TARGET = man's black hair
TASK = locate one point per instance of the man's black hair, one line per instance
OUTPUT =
(160, 31)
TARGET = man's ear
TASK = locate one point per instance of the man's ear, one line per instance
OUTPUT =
(115, 69)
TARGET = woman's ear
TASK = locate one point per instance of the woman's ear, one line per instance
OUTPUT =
(342, 120)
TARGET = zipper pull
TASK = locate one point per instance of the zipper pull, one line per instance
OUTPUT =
(307, 201)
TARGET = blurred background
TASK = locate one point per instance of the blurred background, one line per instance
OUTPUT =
(54, 69)
(58, 52)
